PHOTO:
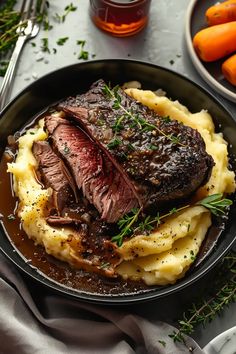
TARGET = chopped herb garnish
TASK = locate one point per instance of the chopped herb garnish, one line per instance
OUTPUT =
(152, 147)
(131, 147)
(44, 46)
(171, 62)
(83, 53)
(114, 144)
(81, 42)
(33, 44)
(166, 119)
(162, 342)
(62, 41)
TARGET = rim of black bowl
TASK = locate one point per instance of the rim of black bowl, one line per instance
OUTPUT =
(107, 299)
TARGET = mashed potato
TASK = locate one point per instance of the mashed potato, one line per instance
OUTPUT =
(159, 258)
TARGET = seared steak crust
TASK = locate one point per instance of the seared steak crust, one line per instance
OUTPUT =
(163, 164)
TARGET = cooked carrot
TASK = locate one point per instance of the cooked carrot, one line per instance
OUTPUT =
(213, 43)
(221, 13)
(229, 69)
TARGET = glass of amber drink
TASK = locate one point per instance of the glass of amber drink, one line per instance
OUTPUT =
(120, 17)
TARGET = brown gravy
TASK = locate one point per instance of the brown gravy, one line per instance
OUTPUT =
(36, 256)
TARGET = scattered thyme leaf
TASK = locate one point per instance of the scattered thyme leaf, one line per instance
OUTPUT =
(166, 119)
(162, 342)
(152, 147)
(81, 42)
(83, 55)
(114, 144)
(62, 41)
(44, 46)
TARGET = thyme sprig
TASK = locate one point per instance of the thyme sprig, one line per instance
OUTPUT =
(9, 33)
(69, 8)
(128, 225)
(216, 203)
(125, 224)
(135, 118)
(205, 310)
(9, 22)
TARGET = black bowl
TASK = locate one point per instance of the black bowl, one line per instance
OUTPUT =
(77, 78)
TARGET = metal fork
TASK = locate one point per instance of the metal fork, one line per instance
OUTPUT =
(28, 28)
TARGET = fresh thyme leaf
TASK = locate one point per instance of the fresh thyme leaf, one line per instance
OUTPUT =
(62, 41)
(69, 8)
(152, 147)
(44, 46)
(114, 144)
(162, 342)
(130, 147)
(216, 204)
(107, 91)
(117, 127)
(46, 25)
(83, 55)
(81, 42)
(166, 119)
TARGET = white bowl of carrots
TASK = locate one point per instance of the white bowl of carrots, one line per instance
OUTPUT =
(216, 42)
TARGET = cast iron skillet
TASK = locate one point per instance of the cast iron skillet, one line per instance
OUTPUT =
(77, 78)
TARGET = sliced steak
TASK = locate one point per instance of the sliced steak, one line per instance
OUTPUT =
(101, 183)
(54, 174)
(164, 160)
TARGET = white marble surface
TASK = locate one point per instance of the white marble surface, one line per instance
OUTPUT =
(162, 43)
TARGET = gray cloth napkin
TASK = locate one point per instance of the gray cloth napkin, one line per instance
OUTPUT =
(45, 323)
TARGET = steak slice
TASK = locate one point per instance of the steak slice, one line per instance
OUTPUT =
(101, 183)
(54, 174)
(163, 159)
